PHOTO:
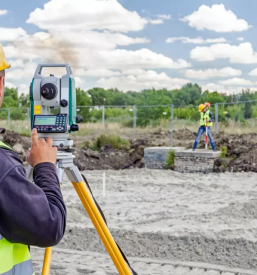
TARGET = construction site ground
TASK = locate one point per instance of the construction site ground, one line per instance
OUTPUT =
(241, 149)
(165, 222)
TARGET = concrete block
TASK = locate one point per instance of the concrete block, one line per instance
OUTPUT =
(155, 157)
(199, 153)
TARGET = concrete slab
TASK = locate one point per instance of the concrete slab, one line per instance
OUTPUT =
(199, 153)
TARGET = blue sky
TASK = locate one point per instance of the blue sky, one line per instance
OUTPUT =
(123, 43)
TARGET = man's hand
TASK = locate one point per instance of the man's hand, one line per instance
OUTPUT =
(41, 151)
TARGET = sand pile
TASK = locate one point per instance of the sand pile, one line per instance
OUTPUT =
(168, 216)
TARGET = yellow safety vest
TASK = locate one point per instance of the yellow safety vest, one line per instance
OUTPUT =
(14, 258)
(205, 116)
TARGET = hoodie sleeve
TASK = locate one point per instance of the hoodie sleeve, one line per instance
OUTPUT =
(31, 213)
(211, 117)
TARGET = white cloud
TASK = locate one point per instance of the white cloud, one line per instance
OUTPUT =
(17, 63)
(96, 73)
(216, 18)
(11, 34)
(253, 72)
(133, 72)
(197, 40)
(92, 44)
(147, 79)
(165, 16)
(78, 80)
(237, 81)
(23, 89)
(86, 15)
(240, 39)
(143, 58)
(21, 70)
(212, 73)
(156, 21)
(242, 54)
(213, 87)
(10, 85)
(3, 12)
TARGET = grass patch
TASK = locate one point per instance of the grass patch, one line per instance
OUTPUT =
(115, 141)
(223, 152)
(170, 160)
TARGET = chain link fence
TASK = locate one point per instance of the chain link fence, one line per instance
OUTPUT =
(232, 118)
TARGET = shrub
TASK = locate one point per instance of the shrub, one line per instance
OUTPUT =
(170, 160)
(223, 152)
(140, 123)
(115, 141)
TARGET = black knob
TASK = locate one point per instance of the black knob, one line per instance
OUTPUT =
(64, 103)
(79, 119)
(74, 127)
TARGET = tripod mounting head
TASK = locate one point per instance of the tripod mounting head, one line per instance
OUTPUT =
(50, 93)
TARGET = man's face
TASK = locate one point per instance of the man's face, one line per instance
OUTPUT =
(2, 77)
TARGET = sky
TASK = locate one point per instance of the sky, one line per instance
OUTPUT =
(133, 44)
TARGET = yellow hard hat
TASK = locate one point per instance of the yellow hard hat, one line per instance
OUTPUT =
(201, 107)
(3, 64)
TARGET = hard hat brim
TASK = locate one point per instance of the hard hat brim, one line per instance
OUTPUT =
(5, 67)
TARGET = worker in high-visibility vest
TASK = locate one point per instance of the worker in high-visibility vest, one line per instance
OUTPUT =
(206, 117)
(31, 214)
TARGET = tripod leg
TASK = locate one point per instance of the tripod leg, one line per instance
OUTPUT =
(101, 228)
(47, 261)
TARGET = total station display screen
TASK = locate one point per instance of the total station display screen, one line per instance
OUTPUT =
(45, 120)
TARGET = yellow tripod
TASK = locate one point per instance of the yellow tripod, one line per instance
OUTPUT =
(65, 165)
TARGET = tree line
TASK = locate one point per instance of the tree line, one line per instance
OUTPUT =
(185, 101)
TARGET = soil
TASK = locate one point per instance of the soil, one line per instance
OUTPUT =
(241, 150)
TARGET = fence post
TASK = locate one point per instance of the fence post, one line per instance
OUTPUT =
(9, 116)
(217, 118)
(171, 123)
(103, 117)
(135, 118)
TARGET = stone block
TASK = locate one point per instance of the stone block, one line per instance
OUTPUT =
(199, 161)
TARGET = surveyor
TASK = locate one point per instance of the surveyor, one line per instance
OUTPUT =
(206, 118)
(31, 214)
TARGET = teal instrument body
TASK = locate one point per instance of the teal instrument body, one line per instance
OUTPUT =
(48, 92)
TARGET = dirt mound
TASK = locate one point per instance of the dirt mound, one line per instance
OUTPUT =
(109, 158)
(17, 142)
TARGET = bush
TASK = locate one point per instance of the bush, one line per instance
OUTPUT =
(223, 152)
(170, 160)
(140, 123)
(17, 114)
(115, 141)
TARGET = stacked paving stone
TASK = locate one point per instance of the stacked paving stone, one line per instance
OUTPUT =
(199, 161)
(155, 157)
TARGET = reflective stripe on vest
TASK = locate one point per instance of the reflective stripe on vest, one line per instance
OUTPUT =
(14, 258)
(205, 116)
(2, 145)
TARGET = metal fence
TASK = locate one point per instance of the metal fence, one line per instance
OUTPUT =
(233, 117)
